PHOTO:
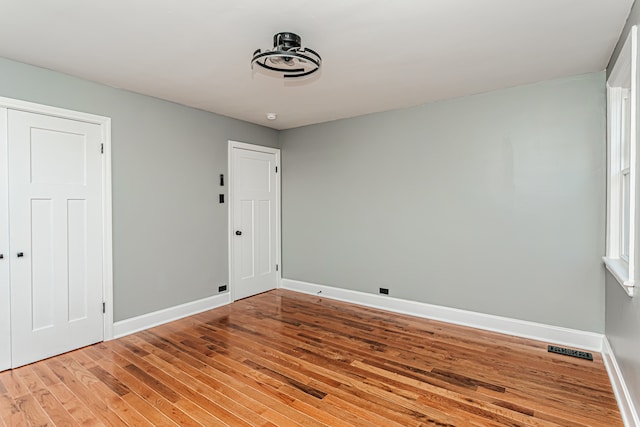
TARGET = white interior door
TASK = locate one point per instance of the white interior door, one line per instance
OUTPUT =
(55, 216)
(5, 295)
(254, 219)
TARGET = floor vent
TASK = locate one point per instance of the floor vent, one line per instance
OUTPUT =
(570, 352)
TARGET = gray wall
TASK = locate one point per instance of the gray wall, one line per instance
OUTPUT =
(622, 326)
(493, 203)
(169, 231)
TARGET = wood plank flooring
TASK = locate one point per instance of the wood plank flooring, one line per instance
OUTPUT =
(288, 359)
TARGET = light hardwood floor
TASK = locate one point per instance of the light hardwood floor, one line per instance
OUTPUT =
(286, 359)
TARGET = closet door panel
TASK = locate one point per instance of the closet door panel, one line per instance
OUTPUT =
(55, 214)
(5, 296)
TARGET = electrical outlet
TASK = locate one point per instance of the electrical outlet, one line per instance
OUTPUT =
(222, 288)
(384, 291)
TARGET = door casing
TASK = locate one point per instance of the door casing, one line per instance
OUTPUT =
(230, 232)
(107, 228)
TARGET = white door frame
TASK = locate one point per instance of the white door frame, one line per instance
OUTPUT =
(231, 240)
(107, 227)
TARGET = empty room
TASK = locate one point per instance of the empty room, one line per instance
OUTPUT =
(319, 213)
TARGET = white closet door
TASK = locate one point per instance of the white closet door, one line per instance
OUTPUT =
(5, 295)
(254, 223)
(55, 215)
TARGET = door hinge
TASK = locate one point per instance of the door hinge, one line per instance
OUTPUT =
(104, 307)
(101, 148)
(276, 169)
(277, 267)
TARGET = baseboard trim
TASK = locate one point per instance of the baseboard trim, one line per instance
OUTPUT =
(625, 403)
(521, 328)
(149, 320)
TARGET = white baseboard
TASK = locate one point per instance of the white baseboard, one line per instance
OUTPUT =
(521, 328)
(625, 403)
(149, 320)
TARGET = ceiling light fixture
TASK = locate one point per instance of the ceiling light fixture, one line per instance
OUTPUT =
(272, 116)
(288, 57)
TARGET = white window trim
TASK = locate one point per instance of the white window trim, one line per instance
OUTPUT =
(625, 271)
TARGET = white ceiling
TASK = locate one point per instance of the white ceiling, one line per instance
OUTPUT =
(377, 54)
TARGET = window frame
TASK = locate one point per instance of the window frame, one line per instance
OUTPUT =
(622, 120)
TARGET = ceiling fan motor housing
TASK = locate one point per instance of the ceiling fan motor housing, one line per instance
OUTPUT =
(287, 41)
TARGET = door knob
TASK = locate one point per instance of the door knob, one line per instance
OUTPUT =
(20, 254)
(1, 256)
(238, 233)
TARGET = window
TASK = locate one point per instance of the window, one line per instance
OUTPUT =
(622, 258)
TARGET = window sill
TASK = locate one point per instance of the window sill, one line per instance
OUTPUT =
(620, 270)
